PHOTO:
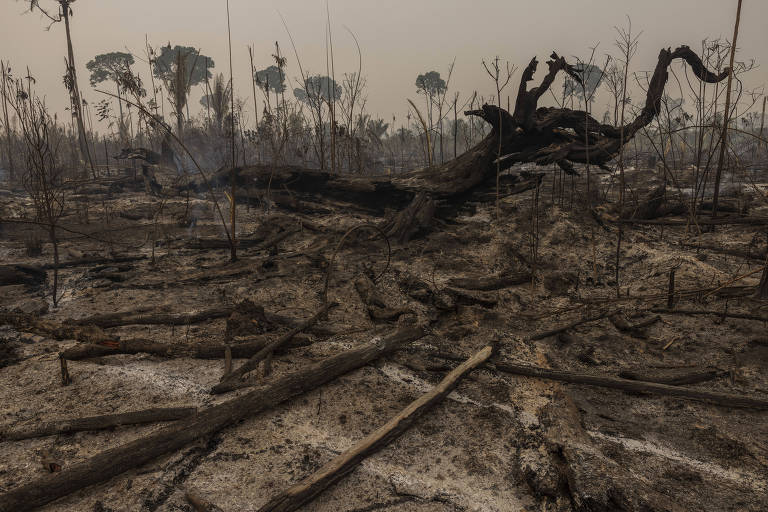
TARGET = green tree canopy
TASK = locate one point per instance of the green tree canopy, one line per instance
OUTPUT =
(270, 79)
(180, 68)
(218, 101)
(196, 65)
(109, 66)
(376, 129)
(430, 84)
(318, 88)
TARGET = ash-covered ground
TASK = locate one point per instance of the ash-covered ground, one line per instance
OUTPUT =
(499, 442)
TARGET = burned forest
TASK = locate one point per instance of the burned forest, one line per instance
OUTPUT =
(229, 284)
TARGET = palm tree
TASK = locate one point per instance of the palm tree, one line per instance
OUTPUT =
(376, 129)
(218, 101)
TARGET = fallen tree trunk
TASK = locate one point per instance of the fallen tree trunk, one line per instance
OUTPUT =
(22, 274)
(55, 330)
(229, 271)
(114, 347)
(469, 297)
(490, 283)
(762, 288)
(721, 221)
(98, 343)
(242, 243)
(204, 351)
(132, 318)
(87, 262)
(98, 422)
(725, 314)
(747, 253)
(199, 503)
(301, 493)
(115, 461)
(635, 386)
(675, 380)
(124, 318)
(527, 135)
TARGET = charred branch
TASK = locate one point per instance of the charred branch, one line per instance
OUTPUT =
(115, 461)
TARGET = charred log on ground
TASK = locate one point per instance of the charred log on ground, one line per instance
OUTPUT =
(542, 136)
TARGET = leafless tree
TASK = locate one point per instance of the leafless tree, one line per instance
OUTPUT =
(501, 79)
(4, 70)
(627, 43)
(727, 118)
(43, 178)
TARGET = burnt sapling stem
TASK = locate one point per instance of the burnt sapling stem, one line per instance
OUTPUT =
(671, 291)
(66, 379)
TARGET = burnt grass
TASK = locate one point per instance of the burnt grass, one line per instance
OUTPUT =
(499, 442)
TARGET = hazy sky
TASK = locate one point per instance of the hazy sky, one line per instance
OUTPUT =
(399, 38)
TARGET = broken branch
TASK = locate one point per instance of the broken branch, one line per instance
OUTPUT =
(107, 464)
(304, 491)
(98, 422)
(232, 381)
(634, 386)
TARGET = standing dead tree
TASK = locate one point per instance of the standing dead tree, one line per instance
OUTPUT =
(70, 78)
(726, 115)
(4, 72)
(529, 134)
(501, 83)
(762, 289)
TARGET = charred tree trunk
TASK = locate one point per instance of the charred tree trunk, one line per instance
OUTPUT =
(762, 289)
(535, 135)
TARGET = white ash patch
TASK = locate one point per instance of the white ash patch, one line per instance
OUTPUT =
(742, 478)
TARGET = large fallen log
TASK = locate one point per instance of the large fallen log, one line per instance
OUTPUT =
(264, 242)
(102, 422)
(114, 347)
(132, 318)
(748, 253)
(720, 221)
(123, 318)
(21, 274)
(301, 493)
(679, 379)
(635, 386)
(543, 136)
(762, 288)
(87, 262)
(55, 330)
(112, 462)
(98, 343)
(722, 314)
(469, 297)
(239, 350)
(491, 283)
(199, 503)
(592, 481)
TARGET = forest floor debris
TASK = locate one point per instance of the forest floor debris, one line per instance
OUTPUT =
(157, 336)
